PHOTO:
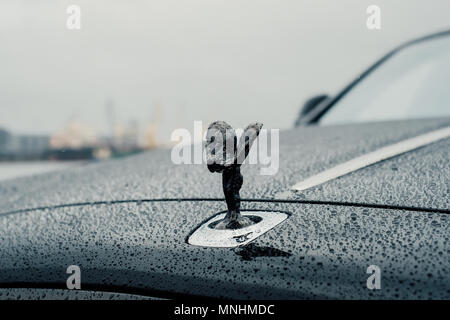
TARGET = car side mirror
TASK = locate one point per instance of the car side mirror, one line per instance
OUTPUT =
(308, 106)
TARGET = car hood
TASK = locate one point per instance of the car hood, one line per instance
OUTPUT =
(418, 178)
(125, 223)
(320, 251)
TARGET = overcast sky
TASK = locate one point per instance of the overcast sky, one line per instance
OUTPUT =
(232, 60)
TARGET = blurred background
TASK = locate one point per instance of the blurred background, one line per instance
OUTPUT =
(137, 70)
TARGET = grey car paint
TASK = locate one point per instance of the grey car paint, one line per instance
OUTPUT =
(140, 248)
(64, 294)
(134, 240)
(303, 152)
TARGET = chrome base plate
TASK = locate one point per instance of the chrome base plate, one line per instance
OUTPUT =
(207, 236)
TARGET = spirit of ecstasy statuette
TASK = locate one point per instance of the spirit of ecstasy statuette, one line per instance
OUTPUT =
(232, 228)
(225, 155)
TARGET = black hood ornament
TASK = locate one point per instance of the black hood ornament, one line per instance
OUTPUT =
(225, 155)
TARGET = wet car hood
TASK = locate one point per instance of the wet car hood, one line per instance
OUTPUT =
(140, 248)
(418, 178)
(125, 223)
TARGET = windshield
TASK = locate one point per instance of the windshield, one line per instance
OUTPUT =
(414, 83)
